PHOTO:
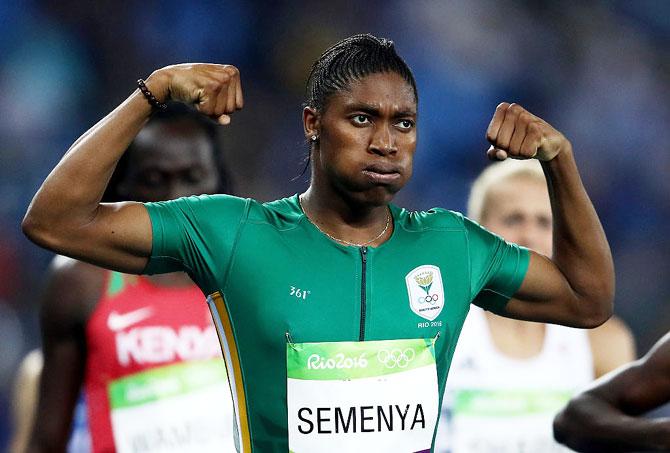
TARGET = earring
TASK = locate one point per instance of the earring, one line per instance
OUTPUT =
(314, 138)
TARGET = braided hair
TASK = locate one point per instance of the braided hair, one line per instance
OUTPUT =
(352, 59)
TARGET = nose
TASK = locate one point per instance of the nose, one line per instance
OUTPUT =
(383, 141)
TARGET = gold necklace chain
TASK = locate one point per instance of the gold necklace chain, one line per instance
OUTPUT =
(343, 241)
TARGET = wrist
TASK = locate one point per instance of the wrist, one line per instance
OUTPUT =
(159, 84)
(565, 150)
(565, 157)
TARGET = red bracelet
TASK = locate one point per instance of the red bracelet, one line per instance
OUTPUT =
(150, 97)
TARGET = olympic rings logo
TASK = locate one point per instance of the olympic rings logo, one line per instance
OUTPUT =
(429, 299)
(395, 357)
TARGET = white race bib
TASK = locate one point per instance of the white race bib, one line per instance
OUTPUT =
(372, 396)
(185, 407)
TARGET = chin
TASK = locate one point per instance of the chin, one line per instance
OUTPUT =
(375, 196)
(364, 193)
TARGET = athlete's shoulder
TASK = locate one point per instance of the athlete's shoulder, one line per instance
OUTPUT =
(215, 202)
(282, 214)
(432, 219)
(204, 211)
(277, 211)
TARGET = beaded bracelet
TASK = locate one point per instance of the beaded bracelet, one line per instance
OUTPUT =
(150, 97)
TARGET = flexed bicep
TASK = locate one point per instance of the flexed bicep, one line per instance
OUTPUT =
(118, 237)
(545, 295)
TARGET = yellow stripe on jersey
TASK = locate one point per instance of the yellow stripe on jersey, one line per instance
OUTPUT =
(217, 307)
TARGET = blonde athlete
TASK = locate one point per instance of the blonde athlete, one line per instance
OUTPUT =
(336, 292)
(528, 368)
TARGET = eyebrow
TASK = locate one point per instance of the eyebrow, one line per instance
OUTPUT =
(375, 111)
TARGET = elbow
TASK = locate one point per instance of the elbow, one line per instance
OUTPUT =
(561, 427)
(30, 227)
(568, 427)
(596, 308)
(36, 231)
(563, 431)
(597, 316)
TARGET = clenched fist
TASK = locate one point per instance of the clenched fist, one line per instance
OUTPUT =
(214, 89)
(515, 132)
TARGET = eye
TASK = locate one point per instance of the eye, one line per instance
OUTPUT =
(405, 124)
(193, 175)
(545, 222)
(513, 220)
(360, 119)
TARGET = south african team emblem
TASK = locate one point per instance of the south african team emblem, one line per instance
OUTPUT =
(425, 290)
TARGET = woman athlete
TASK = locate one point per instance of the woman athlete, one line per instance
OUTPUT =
(338, 312)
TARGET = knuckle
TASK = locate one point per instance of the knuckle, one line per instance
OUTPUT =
(213, 86)
(535, 128)
(503, 106)
(516, 109)
(224, 77)
(524, 116)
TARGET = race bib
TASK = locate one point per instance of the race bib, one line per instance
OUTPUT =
(178, 408)
(372, 396)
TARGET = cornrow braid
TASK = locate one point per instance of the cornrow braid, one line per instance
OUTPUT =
(352, 59)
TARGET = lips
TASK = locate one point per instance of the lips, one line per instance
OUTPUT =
(382, 173)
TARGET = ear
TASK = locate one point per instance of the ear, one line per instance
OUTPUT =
(311, 123)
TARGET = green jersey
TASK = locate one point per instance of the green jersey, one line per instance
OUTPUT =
(272, 277)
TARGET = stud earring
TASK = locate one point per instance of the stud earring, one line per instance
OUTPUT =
(314, 138)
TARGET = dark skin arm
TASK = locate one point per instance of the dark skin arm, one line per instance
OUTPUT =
(576, 286)
(605, 418)
(73, 288)
(66, 214)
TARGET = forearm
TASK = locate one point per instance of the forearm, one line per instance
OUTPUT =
(580, 248)
(70, 195)
(590, 424)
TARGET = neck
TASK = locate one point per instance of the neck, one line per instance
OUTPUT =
(345, 219)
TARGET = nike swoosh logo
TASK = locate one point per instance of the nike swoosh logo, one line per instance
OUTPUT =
(117, 321)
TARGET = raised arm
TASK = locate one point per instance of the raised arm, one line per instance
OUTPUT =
(576, 286)
(605, 417)
(72, 290)
(66, 215)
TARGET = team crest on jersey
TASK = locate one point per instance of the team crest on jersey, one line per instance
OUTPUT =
(425, 290)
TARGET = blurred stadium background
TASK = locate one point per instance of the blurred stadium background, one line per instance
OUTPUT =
(597, 70)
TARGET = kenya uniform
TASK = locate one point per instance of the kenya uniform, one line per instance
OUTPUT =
(155, 381)
(305, 322)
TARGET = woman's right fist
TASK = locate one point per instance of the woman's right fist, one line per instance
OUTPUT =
(214, 89)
